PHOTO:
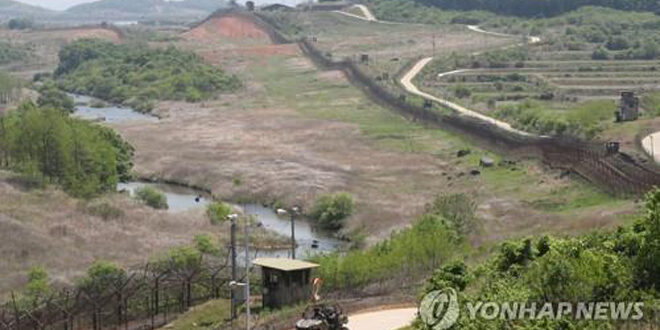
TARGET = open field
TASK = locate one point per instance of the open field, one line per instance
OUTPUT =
(295, 132)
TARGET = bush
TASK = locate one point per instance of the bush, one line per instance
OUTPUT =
(406, 256)
(462, 92)
(218, 212)
(457, 209)
(105, 211)
(152, 197)
(600, 54)
(331, 210)
(52, 97)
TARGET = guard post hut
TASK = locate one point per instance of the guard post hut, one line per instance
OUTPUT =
(285, 281)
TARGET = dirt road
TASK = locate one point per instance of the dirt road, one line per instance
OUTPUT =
(407, 83)
(651, 145)
(391, 319)
(366, 13)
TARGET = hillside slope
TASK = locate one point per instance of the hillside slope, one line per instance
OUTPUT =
(10, 9)
(529, 8)
(146, 8)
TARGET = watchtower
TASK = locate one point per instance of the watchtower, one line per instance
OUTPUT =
(628, 107)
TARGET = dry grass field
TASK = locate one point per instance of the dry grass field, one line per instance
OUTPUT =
(295, 132)
(65, 235)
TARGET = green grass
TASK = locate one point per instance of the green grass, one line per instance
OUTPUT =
(586, 119)
(651, 103)
(209, 315)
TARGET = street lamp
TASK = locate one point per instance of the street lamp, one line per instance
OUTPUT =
(294, 211)
(232, 218)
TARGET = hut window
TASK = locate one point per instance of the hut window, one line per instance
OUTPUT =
(273, 278)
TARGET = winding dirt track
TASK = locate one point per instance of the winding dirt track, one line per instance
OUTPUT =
(407, 83)
(366, 13)
(391, 319)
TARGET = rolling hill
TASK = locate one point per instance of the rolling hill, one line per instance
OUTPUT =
(10, 9)
(139, 9)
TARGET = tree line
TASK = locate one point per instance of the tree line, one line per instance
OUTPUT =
(46, 145)
(621, 265)
(539, 8)
(137, 75)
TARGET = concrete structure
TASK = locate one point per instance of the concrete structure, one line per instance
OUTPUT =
(285, 281)
(628, 107)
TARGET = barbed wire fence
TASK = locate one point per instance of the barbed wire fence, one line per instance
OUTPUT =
(149, 296)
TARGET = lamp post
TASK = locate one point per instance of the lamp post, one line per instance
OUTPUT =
(232, 218)
(247, 274)
(294, 212)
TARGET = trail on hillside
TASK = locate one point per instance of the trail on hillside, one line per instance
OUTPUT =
(410, 87)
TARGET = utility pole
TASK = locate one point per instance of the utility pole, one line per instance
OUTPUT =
(433, 43)
(247, 275)
(232, 218)
(294, 210)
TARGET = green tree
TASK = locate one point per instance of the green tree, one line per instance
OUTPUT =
(52, 97)
(218, 212)
(330, 210)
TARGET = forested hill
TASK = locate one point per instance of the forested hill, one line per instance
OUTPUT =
(538, 8)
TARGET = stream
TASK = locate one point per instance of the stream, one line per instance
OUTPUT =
(310, 240)
(107, 113)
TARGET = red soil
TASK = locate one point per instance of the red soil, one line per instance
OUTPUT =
(226, 26)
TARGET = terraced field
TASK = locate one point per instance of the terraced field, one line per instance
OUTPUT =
(554, 80)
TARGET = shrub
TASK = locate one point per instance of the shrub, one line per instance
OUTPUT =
(331, 210)
(218, 212)
(152, 197)
(52, 97)
(407, 255)
(105, 211)
(600, 54)
(457, 209)
(462, 92)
